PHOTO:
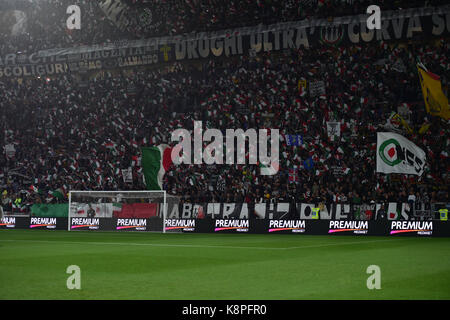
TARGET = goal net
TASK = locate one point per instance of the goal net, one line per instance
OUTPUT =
(119, 210)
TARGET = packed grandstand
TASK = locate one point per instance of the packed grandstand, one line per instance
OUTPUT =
(83, 130)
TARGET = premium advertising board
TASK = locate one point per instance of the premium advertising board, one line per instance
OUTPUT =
(33, 223)
(390, 228)
(326, 227)
(180, 225)
(116, 224)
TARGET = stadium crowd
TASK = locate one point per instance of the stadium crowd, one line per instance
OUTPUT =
(70, 136)
(42, 24)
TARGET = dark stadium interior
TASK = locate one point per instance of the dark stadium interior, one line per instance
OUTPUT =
(60, 125)
(315, 143)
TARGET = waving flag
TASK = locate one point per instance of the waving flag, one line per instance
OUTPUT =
(436, 102)
(156, 161)
(294, 140)
(293, 175)
(396, 154)
(58, 193)
(308, 164)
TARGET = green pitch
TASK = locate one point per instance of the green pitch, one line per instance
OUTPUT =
(154, 266)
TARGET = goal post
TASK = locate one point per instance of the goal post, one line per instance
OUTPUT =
(119, 210)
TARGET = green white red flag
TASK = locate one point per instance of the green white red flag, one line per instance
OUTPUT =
(156, 161)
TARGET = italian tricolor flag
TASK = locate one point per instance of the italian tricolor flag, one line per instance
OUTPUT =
(116, 207)
(156, 161)
(58, 193)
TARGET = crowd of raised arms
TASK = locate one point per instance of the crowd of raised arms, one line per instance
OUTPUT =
(73, 137)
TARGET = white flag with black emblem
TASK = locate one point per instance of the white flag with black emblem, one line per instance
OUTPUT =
(396, 154)
(333, 129)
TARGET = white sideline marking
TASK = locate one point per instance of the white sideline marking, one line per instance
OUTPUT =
(203, 246)
(345, 243)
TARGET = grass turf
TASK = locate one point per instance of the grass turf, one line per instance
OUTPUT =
(156, 266)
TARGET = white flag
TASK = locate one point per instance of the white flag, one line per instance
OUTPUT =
(10, 150)
(333, 129)
(396, 154)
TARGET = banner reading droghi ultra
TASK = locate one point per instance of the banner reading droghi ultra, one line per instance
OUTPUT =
(396, 154)
(405, 24)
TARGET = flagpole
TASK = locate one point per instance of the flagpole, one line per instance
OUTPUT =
(68, 213)
(164, 212)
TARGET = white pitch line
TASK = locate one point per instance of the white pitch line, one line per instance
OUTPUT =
(203, 246)
(147, 244)
(345, 243)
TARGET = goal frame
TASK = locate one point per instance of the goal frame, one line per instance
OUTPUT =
(117, 192)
